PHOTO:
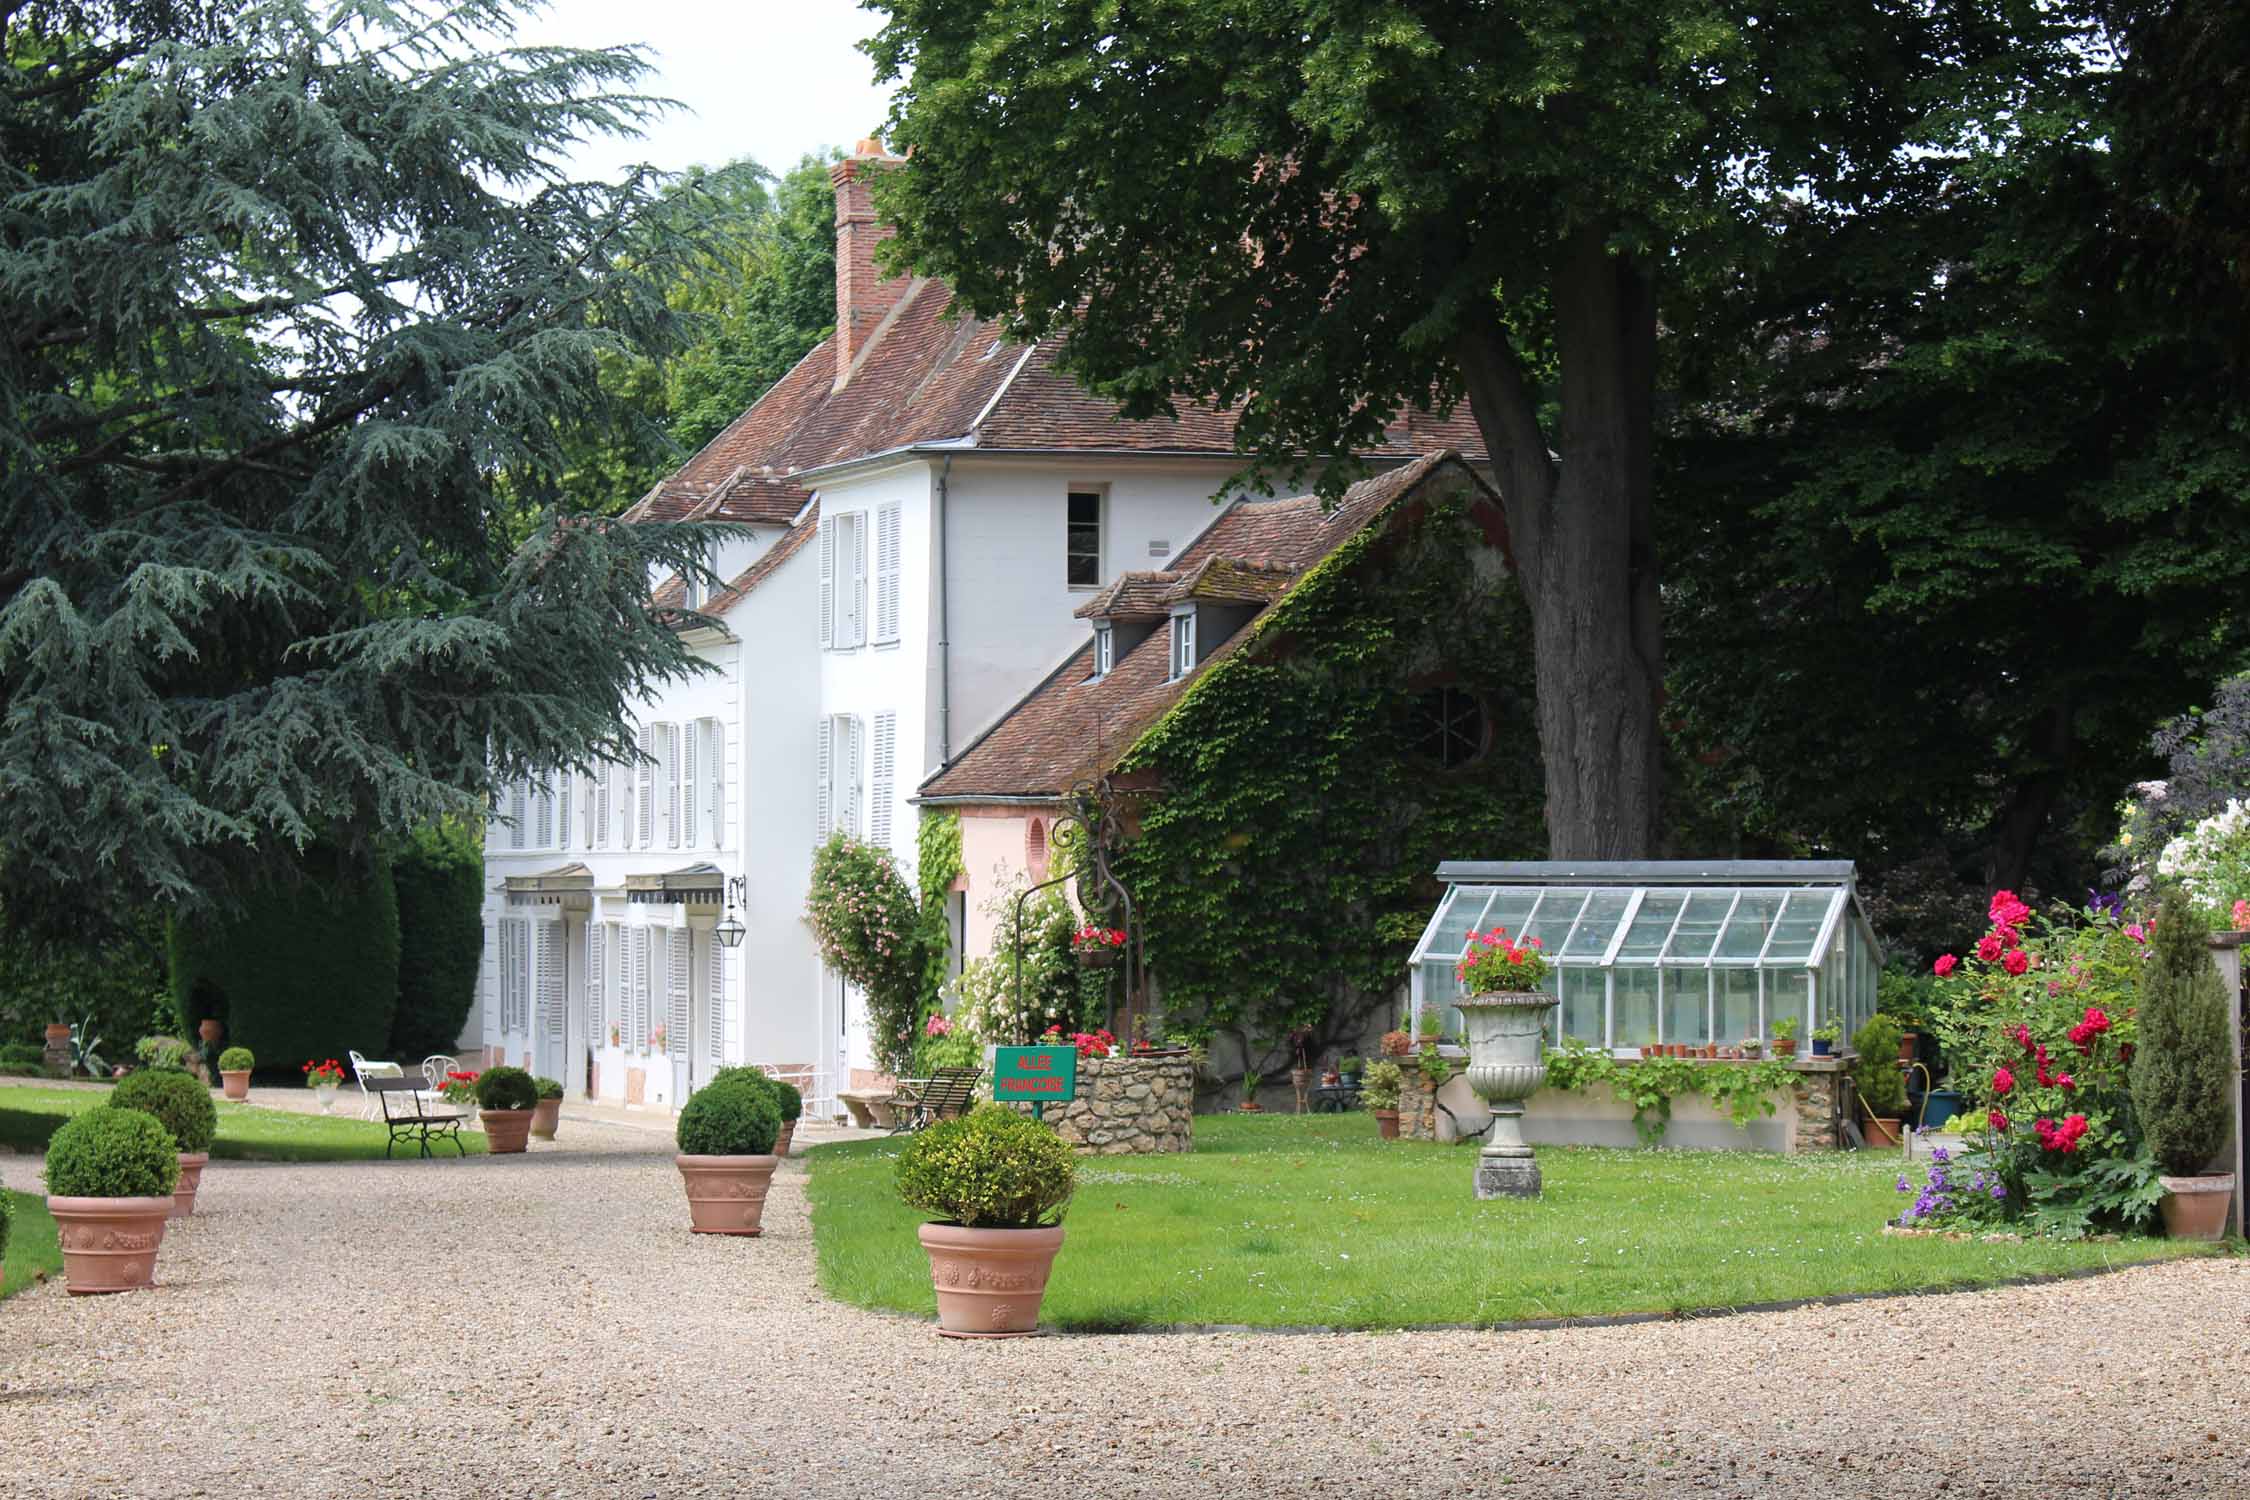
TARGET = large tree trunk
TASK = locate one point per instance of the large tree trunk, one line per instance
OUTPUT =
(1585, 550)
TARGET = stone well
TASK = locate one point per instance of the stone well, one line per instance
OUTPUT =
(1130, 1106)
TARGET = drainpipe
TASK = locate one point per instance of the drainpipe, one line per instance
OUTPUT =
(944, 645)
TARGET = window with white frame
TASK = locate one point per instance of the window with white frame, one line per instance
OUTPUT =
(887, 572)
(597, 1003)
(621, 804)
(882, 779)
(843, 580)
(837, 801)
(636, 1036)
(1082, 540)
(644, 791)
(519, 811)
(714, 761)
(1183, 642)
(715, 995)
(515, 975)
(1105, 649)
(566, 791)
(667, 786)
(543, 818)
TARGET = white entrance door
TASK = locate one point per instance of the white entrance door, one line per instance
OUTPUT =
(548, 1025)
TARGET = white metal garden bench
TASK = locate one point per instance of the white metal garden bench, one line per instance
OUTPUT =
(362, 1070)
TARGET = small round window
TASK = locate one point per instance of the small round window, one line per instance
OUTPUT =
(1449, 726)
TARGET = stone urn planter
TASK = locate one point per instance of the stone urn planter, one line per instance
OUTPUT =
(2195, 1208)
(989, 1281)
(209, 1029)
(507, 1132)
(1506, 1067)
(726, 1194)
(109, 1244)
(546, 1116)
(192, 1164)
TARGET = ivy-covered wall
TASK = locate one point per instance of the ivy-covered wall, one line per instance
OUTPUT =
(1283, 864)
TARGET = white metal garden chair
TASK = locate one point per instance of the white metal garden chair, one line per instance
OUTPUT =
(362, 1070)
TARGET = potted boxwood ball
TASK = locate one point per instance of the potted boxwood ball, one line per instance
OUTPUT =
(998, 1182)
(547, 1113)
(786, 1099)
(184, 1108)
(110, 1176)
(505, 1098)
(726, 1136)
(234, 1071)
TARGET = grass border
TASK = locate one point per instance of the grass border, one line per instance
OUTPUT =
(27, 1269)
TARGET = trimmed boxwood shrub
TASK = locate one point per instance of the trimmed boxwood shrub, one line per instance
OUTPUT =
(237, 1060)
(786, 1098)
(548, 1088)
(437, 876)
(991, 1169)
(108, 1152)
(730, 1117)
(181, 1105)
(308, 971)
(1877, 1077)
(2183, 1068)
(506, 1088)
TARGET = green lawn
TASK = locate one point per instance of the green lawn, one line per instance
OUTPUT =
(28, 1115)
(1276, 1221)
(32, 1251)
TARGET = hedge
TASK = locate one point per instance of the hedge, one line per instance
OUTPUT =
(438, 875)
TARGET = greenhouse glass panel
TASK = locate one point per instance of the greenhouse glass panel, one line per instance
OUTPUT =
(1552, 919)
(1508, 909)
(1463, 911)
(1698, 930)
(1687, 1005)
(1737, 998)
(1801, 921)
(1597, 924)
(1749, 927)
(1583, 1000)
(1652, 926)
(1633, 1008)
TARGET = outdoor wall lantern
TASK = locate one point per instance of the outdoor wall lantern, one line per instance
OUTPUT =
(730, 930)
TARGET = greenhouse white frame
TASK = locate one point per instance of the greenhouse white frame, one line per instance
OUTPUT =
(1688, 951)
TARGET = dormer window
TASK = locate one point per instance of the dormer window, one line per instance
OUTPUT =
(1105, 649)
(1183, 641)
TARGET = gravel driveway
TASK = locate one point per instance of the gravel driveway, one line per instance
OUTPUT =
(546, 1326)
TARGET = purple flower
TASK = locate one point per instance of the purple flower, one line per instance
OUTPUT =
(1998, 1191)
(1904, 1186)
(1938, 1154)
(2099, 903)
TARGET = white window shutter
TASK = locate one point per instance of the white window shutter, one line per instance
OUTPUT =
(828, 581)
(859, 579)
(715, 782)
(644, 830)
(692, 803)
(677, 1021)
(881, 782)
(518, 811)
(824, 800)
(551, 980)
(668, 736)
(887, 529)
(597, 807)
(638, 1041)
(850, 805)
(715, 985)
(543, 818)
(566, 791)
(597, 1027)
(621, 788)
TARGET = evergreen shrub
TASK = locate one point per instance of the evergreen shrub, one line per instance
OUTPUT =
(179, 1103)
(437, 876)
(2183, 1066)
(993, 1168)
(548, 1088)
(506, 1088)
(7, 1220)
(736, 1116)
(1878, 1077)
(107, 1152)
(786, 1100)
(237, 1060)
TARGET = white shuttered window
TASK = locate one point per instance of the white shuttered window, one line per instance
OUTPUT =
(518, 811)
(676, 1021)
(644, 778)
(843, 580)
(839, 799)
(882, 780)
(551, 980)
(886, 573)
(714, 783)
(636, 1039)
(597, 1001)
(667, 787)
(691, 802)
(715, 984)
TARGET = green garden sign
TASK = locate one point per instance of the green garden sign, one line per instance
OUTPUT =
(1037, 1076)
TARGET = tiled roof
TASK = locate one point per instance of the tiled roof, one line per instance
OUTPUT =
(925, 378)
(673, 594)
(1070, 727)
(1131, 596)
(1231, 580)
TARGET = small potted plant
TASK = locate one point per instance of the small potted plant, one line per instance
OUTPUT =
(1380, 1092)
(2182, 1074)
(1824, 1038)
(1752, 1047)
(234, 1072)
(1398, 1043)
(547, 1113)
(1250, 1082)
(1097, 947)
(1301, 1040)
(184, 1108)
(459, 1090)
(1430, 1027)
(324, 1078)
(110, 1178)
(1435, 1069)
(1350, 1069)
(997, 1182)
(1882, 1088)
(726, 1136)
(1785, 1037)
(505, 1099)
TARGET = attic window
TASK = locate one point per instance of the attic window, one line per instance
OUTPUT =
(1183, 642)
(1105, 649)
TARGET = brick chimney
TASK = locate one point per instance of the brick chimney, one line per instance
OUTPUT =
(863, 294)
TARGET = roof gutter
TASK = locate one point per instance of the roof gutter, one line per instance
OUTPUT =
(973, 799)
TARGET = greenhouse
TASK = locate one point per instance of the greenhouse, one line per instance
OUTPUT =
(1685, 951)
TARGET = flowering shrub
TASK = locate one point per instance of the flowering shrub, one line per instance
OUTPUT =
(1494, 963)
(2038, 1025)
(937, 1025)
(1089, 1043)
(2211, 863)
(324, 1075)
(1944, 1200)
(1092, 939)
(459, 1088)
(869, 929)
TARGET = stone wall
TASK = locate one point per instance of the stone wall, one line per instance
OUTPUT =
(1130, 1106)
(1417, 1102)
(1820, 1103)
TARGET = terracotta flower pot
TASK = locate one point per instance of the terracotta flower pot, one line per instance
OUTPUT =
(506, 1131)
(1785, 1046)
(1250, 1107)
(191, 1178)
(1386, 1124)
(2195, 1208)
(235, 1083)
(109, 1244)
(989, 1281)
(1907, 1043)
(545, 1116)
(209, 1029)
(781, 1142)
(58, 1032)
(726, 1194)
(1881, 1132)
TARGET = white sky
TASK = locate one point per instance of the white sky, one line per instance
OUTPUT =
(767, 79)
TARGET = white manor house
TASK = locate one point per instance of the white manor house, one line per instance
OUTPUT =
(928, 505)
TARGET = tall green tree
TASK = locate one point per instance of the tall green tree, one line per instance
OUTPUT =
(285, 291)
(1329, 211)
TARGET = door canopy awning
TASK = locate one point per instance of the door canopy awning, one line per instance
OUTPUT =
(696, 885)
(570, 886)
